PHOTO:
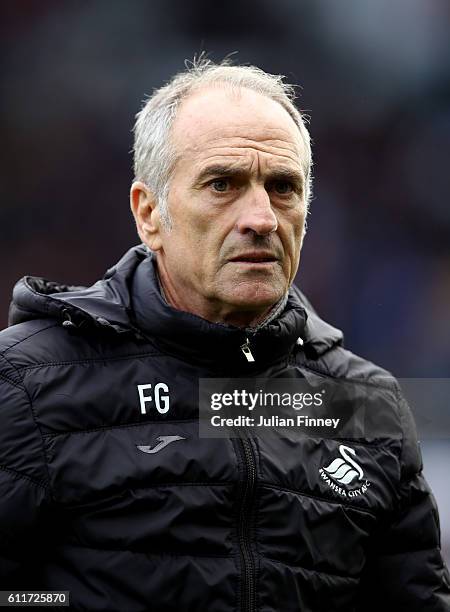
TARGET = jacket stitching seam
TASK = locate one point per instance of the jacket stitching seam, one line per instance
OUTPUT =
(367, 383)
(361, 442)
(312, 571)
(33, 416)
(38, 483)
(30, 336)
(414, 550)
(145, 552)
(44, 364)
(319, 498)
(118, 426)
(212, 483)
(44, 452)
(157, 485)
(402, 423)
(18, 383)
(11, 381)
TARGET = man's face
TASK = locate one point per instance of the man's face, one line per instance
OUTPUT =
(237, 205)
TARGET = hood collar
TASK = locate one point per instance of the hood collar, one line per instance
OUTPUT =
(192, 336)
(118, 302)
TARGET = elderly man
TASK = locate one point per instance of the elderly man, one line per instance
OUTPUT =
(107, 490)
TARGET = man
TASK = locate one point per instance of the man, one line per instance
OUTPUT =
(107, 489)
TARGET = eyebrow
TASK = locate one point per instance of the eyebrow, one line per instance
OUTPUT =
(219, 170)
(222, 170)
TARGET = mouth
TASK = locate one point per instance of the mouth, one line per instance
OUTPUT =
(255, 258)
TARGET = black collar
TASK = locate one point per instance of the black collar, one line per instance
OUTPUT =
(195, 338)
(107, 304)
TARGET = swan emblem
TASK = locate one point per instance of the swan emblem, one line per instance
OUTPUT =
(344, 470)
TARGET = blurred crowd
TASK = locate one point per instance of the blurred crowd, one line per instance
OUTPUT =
(374, 78)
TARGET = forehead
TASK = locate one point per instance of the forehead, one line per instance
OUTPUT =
(219, 121)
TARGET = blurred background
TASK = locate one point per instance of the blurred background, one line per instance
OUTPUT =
(374, 78)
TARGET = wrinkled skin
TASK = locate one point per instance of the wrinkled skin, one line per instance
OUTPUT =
(237, 207)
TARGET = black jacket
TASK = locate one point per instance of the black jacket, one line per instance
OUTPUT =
(202, 525)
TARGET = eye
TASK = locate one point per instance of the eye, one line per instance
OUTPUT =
(283, 187)
(220, 185)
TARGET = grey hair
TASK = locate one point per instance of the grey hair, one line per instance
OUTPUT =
(154, 155)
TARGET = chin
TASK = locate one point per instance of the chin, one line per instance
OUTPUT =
(254, 298)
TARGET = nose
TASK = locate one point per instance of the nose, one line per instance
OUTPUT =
(256, 214)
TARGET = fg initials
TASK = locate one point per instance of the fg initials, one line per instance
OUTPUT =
(159, 396)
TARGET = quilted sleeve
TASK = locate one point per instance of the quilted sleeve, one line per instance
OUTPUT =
(24, 493)
(405, 570)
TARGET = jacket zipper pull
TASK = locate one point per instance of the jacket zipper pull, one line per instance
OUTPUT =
(245, 348)
(67, 321)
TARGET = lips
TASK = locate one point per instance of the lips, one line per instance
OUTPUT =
(255, 257)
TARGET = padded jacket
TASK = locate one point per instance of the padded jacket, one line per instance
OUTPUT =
(215, 525)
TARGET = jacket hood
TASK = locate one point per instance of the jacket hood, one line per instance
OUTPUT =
(108, 304)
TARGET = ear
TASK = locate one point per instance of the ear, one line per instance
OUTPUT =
(146, 215)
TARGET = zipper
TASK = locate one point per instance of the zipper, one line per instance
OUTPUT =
(247, 496)
(245, 348)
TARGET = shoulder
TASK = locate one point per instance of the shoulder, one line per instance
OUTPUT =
(42, 342)
(341, 363)
(33, 342)
(23, 344)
